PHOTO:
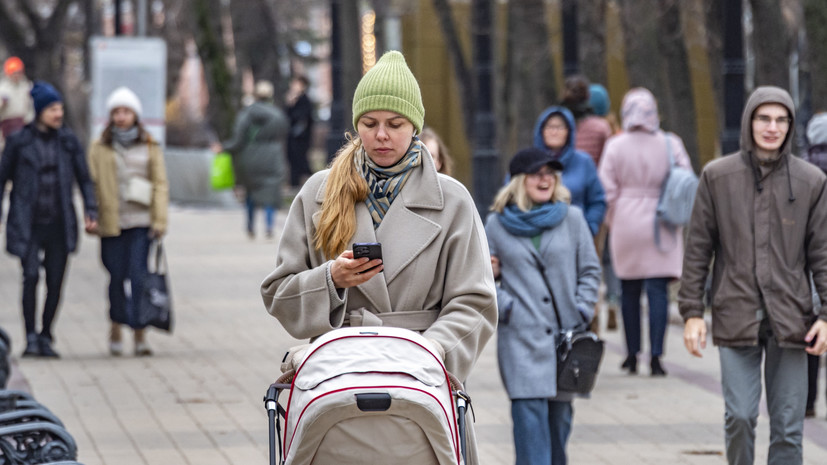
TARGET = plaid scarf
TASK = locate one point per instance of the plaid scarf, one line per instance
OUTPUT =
(384, 184)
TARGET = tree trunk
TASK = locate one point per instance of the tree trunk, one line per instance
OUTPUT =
(175, 31)
(771, 44)
(663, 69)
(592, 41)
(462, 71)
(208, 33)
(350, 39)
(715, 53)
(815, 17)
(257, 42)
(529, 84)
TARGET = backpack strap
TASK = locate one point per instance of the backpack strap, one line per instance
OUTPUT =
(672, 165)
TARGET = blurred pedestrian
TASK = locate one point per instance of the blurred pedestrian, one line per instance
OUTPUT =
(539, 244)
(817, 155)
(43, 161)
(761, 220)
(634, 166)
(555, 132)
(300, 112)
(439, 151)
(592, 134)
(127, 167)
(258, 144)
(16, 109)
(435, 275)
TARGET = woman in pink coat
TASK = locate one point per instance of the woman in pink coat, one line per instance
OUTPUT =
(632, 169)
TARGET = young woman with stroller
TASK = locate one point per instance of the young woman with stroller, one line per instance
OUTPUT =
(434, 276)
(543, 255)
(127, 167)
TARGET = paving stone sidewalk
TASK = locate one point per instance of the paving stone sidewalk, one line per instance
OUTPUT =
(198, 399)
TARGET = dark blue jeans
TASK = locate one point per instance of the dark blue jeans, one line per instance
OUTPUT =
(656, 289)
(125, 258)
(541, 430)
(51, 240)
(269, 216)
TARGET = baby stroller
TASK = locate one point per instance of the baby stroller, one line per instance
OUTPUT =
(368, 395)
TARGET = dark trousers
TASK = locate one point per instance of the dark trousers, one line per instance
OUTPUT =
(297, 156)
(50, 240)
(656, 289)
(125, 258)
(812, 380)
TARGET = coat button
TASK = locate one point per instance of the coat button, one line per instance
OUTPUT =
(545, 299)
(548, 331)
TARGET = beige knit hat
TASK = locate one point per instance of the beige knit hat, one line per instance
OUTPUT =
(390, 86)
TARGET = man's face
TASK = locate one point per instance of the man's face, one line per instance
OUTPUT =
(770, 125)
(52, 116)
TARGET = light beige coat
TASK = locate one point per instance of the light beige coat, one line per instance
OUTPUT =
(435, 255)
(103, 168)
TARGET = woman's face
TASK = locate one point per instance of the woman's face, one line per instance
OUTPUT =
(123, 118)
(540, 185)
(433, 147)
(385, 135)
(555, 132)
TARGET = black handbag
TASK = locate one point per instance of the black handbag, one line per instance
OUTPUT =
(579, 351)
(155, 308)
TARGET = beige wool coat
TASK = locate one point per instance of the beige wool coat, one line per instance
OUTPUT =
(437, 267)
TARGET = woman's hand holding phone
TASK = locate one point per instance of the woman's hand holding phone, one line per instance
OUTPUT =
(349, 271)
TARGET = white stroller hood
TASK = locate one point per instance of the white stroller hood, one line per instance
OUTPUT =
(371, 395)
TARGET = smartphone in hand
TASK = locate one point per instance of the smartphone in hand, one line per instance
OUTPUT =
(372, 250)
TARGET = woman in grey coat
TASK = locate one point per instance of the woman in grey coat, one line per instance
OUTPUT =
(533, 226)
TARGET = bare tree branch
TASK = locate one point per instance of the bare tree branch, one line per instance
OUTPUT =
(461, 69)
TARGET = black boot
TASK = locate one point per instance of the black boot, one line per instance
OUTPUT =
(657, 369)
(32, 346)
(46, 347)
(630, 364)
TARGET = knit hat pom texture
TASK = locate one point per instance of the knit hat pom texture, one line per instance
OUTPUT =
(390, 85)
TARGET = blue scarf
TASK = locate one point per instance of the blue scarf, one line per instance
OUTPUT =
(535, 221)
(384, 183)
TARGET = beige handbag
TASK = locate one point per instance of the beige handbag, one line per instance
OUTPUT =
(139, 190)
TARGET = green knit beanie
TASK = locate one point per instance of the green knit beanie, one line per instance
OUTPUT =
(390, 86)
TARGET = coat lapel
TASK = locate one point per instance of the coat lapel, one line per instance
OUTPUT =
(404, 233)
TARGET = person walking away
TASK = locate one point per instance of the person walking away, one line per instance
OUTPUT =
(383, 187)
(593, 130)
(127, 167)
(760, 214)
(634, 166)
(817, 155)
(257, 145)
(539, 244)
(43, 161)
(555, 132)
(300, 112)
(439, 151)
(16, 108)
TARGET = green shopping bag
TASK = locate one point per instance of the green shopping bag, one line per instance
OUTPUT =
(221, 172)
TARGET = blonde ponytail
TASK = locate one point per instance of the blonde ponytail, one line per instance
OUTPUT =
(345, 187)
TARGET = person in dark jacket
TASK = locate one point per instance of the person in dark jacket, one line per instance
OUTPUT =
(43, 160)
(817, 155)
(300, 112)
(257, 146)
(761, 215)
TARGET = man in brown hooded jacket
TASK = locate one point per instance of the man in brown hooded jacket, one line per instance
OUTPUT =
(761, 214)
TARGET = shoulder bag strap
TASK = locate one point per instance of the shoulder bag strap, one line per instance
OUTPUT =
(542, 268)
(672, 165)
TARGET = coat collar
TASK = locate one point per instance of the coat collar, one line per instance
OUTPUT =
(404, 232)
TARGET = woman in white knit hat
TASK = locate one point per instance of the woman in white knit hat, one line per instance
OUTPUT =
(127, 166)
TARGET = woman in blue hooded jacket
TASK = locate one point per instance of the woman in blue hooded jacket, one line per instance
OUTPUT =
(555, 131)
